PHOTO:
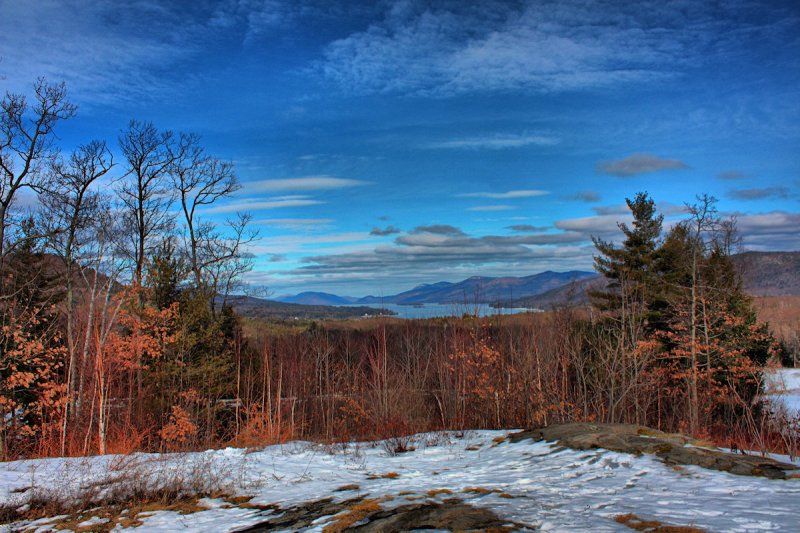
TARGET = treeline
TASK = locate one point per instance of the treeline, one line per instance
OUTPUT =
(107, 267)
(672, 343)
(113, 338)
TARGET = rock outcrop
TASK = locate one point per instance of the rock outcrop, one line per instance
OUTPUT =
(673, 449)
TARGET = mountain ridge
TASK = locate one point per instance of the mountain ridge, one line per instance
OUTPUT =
(475, 289)
(763, 274)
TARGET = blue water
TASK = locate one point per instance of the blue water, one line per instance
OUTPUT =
(437, 310)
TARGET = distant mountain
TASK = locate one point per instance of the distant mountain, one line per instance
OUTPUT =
(572, 294)
(407, 297)
(763, 273)
(480, 289)
(258, 308)
(770, 273)
(316, 298)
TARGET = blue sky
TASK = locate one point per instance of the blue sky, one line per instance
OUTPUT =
(386, 144)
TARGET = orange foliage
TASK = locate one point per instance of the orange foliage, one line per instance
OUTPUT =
(180, 428)
(30, 392)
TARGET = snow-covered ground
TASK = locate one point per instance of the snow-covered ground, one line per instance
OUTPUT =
(783, 388)
(537, 483)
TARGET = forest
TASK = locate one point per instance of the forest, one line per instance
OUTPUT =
(116, 337)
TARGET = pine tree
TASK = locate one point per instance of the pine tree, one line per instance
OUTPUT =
(164, 275)
(631, 270)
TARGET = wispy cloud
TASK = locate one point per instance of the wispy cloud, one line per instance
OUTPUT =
(304, 183)
(294, 223)
(618, 209)
(106, 51)
(775, 230)
(491, 208)
(527, 228)
(527, 193)
(250, 204)
(446, 251)
(586, 196)
(637, 164)
(449, 48)
(762, 193)
(600, 225)
(733, 175)
(496, 142)
(383, 232)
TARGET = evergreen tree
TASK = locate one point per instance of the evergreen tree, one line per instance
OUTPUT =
(631, 270)
(164, 275)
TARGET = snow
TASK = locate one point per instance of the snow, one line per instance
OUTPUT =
(552, 488)
(783, 388)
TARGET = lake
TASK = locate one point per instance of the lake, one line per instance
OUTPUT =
(437, 310)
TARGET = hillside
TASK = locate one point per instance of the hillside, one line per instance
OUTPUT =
(575, 293)
(764, 274)
(316, 298)
(257, 308)
(482, 289)
(770, 273)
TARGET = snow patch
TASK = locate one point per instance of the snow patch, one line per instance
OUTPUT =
(526, 482)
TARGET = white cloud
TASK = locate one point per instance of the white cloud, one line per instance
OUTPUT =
(636, 164)
(449, 48)
(497, 142)
(759, 193)
(101, 62)
(775, 230)
(262, 204)
(294, 222)
(491, 208)
(597, 225)
(529, 193)
(304, 183)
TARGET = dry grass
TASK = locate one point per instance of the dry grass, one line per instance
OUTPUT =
(122, 493)
(116, 517)
(387, 475)
(479, 490)
(653, 526)
(353, 514)
(344, 488)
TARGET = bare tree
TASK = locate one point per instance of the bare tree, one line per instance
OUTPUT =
(145, 193)
(200, 181)
(703, 220)
(227, 260)
(215, 253)
(72, 206)
(26, 144)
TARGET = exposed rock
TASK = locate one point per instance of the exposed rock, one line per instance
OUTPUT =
(300, 516)
(671, 448)
(452, 515)
(437, 516)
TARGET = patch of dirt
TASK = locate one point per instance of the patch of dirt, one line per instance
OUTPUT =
(671, 448)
